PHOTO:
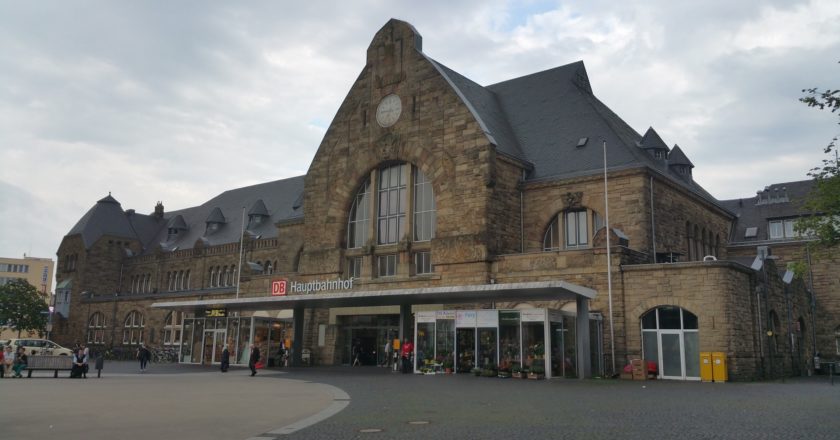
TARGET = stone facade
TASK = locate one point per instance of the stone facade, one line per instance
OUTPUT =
(490, 226)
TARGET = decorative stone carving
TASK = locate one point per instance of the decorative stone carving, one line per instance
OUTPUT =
(389, 146)
(572, 200)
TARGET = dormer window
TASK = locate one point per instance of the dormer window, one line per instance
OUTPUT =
(257, 215)
(176, 225)
(214, 221)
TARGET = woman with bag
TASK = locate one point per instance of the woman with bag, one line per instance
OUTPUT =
(143, 355)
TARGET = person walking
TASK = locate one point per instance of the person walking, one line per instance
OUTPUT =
(225, 359)
(143, 355)
(388, 350)
(357, 351)
(407, 351)
(253, 359)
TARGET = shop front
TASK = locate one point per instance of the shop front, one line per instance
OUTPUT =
(204, 339)
(503, 340)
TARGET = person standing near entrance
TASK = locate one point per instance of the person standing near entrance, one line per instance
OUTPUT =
(253, 359)
(357, 351)
(407, 349)
(225, 359)
(143, 355)
(387, 361)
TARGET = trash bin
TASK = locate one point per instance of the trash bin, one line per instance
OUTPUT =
(706, 366)
(306, 357)
(719, 367)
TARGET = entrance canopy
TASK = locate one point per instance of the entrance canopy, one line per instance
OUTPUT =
(530, 291)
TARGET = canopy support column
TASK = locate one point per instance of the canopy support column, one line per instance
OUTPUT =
(584, 359)
(405, 322)
(297, 343)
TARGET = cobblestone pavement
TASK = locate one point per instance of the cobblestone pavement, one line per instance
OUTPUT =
(193, 402)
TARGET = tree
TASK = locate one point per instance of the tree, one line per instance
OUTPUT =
(22, 307)
(824, 200)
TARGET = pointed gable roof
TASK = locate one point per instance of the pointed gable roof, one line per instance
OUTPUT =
(106, 217)
(652, 141)
(258, 208)
(216, 216)
(177, 222)
(677, 157)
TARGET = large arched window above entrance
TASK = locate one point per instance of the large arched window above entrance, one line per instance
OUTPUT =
(395, 203)
(670, 338)
(133, 328)
(572, 229)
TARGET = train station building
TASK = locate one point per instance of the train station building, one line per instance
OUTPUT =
(520, 223)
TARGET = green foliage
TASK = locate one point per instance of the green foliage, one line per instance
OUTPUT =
(22, 307)
(799, 268)
(824, 200)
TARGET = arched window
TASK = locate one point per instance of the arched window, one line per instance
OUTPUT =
(218, 278)
(689, 246)
(168, 280)
(172, 326)
(210, 277)
(186, 281)
(133, 328)
(233, 275)
(571, 230)
(96, 328)
(670, 337)
(837, 339)
(381, 206)
(698, 246)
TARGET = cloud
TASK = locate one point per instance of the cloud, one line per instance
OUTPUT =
(182, 101)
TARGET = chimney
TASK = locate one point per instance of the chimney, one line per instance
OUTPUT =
(159, 210)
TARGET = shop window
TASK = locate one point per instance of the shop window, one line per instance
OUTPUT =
(96, 329)
(423, 263)
(386, 265)
(133, 327)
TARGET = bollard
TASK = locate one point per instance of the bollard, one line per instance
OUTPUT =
(100, 361)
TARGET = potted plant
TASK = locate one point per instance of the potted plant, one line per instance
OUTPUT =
(516, 371)
(476, 371)
(447, 365)
(536, 372)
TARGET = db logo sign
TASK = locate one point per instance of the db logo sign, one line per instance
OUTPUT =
(278, 287)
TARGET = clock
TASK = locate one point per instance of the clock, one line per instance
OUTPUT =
(388, 111)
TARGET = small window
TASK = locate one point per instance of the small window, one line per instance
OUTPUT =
(751, 232)
(386, 265)
(776, 230)
(423, 263)
(354, 267)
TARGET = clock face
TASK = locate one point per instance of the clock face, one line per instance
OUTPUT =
(388, 111)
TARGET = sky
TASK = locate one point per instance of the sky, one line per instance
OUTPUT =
(179, 101)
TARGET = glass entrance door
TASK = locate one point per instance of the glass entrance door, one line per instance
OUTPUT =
(672, 355)
(465, 350)
(214, 341)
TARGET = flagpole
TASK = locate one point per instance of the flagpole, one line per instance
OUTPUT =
(241, 248)
(609, 262)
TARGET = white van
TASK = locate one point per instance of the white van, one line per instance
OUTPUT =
(35, 347)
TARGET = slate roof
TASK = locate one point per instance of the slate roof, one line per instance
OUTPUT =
(281, 201)
(677, 157)
(777, 201)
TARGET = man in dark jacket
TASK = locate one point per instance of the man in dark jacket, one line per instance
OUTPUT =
(252, 361)
(225, 359)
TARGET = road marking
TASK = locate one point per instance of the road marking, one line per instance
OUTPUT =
(340, 401)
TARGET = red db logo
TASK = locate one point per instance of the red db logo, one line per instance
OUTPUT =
(278, 287)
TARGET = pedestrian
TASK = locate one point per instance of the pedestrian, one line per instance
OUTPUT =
(8, 360)
(225, 359)
(253, 359)
(21, 361)
(2, 362)
(86, 358)
(357, 351)
(387, 351)
(143, 355)
(407, 351)
(79, 361)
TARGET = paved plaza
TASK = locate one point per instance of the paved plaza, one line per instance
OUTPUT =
(193, 402)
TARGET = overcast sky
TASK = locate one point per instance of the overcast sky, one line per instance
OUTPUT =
(180, 101)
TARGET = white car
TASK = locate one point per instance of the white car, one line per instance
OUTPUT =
(35, 347)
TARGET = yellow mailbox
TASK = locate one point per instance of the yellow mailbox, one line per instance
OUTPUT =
(706, 366)
(719, 367)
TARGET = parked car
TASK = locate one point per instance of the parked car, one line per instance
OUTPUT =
(36, 347)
